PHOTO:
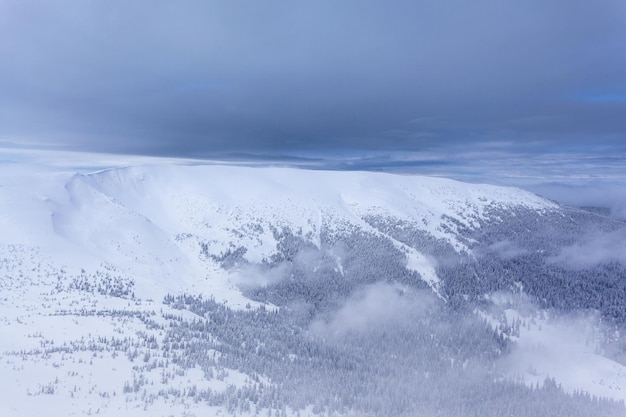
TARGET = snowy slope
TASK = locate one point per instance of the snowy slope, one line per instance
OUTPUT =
(137, 218)
(88, 256)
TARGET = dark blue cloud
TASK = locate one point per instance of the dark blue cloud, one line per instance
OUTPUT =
(607, 98)
(199, 78)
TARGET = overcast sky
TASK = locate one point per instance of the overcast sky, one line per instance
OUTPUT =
(411, 82)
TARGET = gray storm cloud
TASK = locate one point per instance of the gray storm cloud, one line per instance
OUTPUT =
(191, 78)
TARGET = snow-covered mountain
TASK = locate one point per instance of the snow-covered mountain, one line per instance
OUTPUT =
(171, 289)
(137, 217)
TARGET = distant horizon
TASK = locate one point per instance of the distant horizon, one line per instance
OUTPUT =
(551, 176)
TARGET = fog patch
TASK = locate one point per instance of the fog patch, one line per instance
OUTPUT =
(505, 249)
(593, 250)
(373, 308)
(314, 260)
(249, 276)
(597, 194)
(504, 301)
(570, 348)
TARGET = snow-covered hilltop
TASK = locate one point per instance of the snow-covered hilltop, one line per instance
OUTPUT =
(210, 288)
(138, 217)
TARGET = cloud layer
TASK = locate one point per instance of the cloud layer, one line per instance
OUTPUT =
(595, 249)
(375, 308)
(194, 78)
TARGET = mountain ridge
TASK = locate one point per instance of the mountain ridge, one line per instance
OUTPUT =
(317, 259)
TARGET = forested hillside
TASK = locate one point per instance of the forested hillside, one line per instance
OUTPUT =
(167, 290)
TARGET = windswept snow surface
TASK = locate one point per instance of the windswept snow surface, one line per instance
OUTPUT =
(88, 257)
(139, 218)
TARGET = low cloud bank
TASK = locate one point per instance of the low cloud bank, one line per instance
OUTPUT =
(608, 195)
(374, 307)
(593, 250)
(571, 348)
